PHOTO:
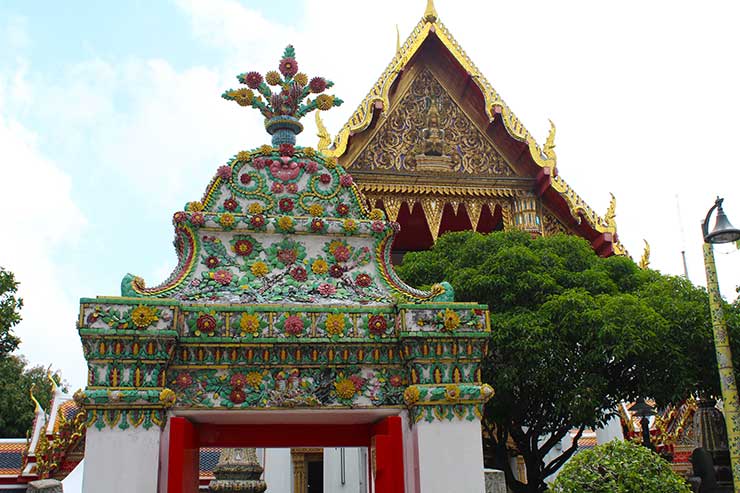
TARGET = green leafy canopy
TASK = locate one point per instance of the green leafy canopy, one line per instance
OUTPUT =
(16, 406)
(618, 467)
(572, 335)
(10, 307)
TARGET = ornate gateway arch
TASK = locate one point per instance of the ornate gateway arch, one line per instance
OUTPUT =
(283, 324)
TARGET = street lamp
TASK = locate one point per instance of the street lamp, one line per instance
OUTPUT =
(643, 410)
(723, 232)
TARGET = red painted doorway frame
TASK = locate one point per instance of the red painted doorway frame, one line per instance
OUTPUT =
(384, 440)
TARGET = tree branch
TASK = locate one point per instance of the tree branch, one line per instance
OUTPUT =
(563, 458)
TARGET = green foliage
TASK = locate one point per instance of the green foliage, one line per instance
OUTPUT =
(572, 335)
(10, 307)
(618, 467)
(16, 406)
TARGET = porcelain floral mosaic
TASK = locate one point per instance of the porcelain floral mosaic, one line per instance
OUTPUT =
(284, 296)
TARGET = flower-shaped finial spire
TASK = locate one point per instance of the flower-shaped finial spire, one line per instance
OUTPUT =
(290, 101)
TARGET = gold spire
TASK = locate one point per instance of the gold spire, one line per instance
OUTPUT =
(645, 260)
(430, 14)
(398, 41)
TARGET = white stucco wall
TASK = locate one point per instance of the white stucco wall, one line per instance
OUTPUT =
(611, 430)
(278, 469)
(121, 461)
(450, 457)
(355, 470)
(410, 459)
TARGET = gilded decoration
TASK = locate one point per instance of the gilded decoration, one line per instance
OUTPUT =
(551, 225)
(645, 259)
(428, 131)
(495, 107)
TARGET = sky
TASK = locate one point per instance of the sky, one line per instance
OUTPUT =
(111, 119)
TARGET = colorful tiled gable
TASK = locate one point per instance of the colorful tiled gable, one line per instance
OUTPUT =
(284, 296)
(282, 224)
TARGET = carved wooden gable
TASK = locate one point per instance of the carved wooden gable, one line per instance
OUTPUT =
(551, 225)
(428, 132)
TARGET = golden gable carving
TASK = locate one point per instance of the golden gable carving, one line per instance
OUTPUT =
(427, 131)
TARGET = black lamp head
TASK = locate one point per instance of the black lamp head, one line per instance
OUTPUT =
(723, 231)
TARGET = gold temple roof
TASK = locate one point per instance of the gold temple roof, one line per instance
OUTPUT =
(544, 157)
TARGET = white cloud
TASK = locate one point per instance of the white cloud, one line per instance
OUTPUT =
(40, 217)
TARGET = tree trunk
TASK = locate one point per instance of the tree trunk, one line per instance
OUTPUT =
(535, 481)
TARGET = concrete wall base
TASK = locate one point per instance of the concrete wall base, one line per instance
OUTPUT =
(45, 486)
(121, 461)
(450, 457)
(495, 481)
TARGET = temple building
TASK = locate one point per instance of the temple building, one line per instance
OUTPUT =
(436, 149)
(439, 150)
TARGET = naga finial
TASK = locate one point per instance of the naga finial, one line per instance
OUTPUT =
(430, 14)
(611, 215)
(284, 107)
(33, 398)
(549, 149)
(645, 259)
(50, 376)
(323, 135)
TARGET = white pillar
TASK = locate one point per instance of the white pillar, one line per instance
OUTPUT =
(352, 468)
(278, 469)
(450, 455)
(121, 461)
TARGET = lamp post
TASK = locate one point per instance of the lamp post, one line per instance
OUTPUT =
(643, 410)
(723, 232)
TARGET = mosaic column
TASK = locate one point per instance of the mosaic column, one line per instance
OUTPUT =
(730, 401)
(444, 345)
(128, 345)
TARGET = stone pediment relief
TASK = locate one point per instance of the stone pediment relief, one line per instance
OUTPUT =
(428, 132)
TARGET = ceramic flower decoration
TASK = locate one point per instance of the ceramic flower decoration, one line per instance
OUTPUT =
(291, 97)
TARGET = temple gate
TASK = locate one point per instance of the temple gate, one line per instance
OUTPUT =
(284, 324)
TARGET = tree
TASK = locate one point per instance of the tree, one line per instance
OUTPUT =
(16, 406)
(10, 307)
(618, 466)
(572, 335)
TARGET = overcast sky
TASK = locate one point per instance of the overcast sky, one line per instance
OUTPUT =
(111, 119)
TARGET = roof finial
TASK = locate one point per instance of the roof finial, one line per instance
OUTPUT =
(288, 102)
(323, 135)
(398, 40)
(54, 386)
(645, 260)
(430, 14)
(38, 406)
(549, 149)
(611, 213)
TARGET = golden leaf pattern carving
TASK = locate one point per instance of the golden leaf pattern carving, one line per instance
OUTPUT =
(400, 137)
(474, 209)
(551, 225)
(433, 208)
